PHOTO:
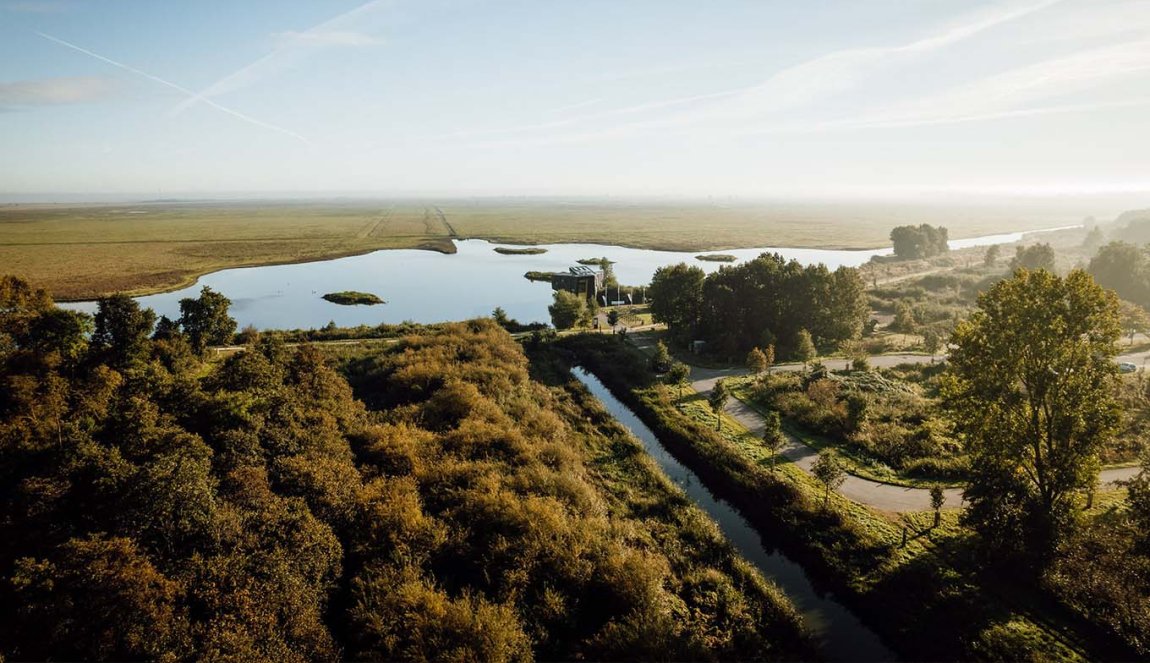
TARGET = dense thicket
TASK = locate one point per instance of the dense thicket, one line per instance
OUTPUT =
(922, 241)
(153, 506)
(765, 301)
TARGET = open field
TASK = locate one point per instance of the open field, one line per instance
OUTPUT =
(82, 251)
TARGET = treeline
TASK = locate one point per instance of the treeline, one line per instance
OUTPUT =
(156, 506)
(922, 241)
(765, 301)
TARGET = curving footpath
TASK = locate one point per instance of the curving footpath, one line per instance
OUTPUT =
(864, 491)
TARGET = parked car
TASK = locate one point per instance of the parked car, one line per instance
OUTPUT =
(1126, 367)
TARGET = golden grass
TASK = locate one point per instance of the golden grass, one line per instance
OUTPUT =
(82, 251)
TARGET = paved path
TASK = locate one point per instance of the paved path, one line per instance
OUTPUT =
(864, 491)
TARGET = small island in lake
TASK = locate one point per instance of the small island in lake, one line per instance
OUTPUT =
(538, 276)
(717, 257)
(353, 298)
(525, 251)
(595, 261)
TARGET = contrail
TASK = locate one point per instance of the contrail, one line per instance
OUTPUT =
(179, 88)
(236, 78)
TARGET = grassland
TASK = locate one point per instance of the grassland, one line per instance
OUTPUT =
(80, 252)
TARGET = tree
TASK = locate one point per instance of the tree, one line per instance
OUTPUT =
(718, 401)
(676, 296)
(1093, 239)
(1125, 269)
(1134, 319)
(931, 342)
(567, 309)
(678, 376)
(1031, 387)
(122, 330)
(500, 317)
(829, 472)
(756, 361)
(205, 319)
(937, 499)
(613, 318)
(769, 356)
(773, 435)
(805, 349)
(1138, 502)
(923, 241)
(991, 256)
(661, 360)
(903, 318)
(1033, 257)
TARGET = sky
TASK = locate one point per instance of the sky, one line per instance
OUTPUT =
(757, 98)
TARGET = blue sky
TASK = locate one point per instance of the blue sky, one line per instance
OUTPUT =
(589, 97)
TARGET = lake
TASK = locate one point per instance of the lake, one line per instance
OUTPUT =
(425, 286)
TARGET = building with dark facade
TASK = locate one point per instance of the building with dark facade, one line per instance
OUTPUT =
(582, 281)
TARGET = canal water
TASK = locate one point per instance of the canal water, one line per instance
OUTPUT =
(426, 287)
(839, 634)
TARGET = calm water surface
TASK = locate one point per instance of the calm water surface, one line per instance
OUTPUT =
(840, 635)
(425, 286)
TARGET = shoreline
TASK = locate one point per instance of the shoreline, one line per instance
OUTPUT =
(447, 246)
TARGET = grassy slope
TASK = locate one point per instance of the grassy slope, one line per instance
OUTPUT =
(82, 251)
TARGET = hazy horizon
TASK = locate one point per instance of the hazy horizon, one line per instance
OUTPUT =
(504, 97)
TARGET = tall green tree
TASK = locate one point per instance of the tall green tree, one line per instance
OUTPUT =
(676, 296)
(567, 309)
(122, 330)
(205, 319)
(1031, 386)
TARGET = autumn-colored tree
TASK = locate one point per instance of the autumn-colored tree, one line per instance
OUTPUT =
(756, 361)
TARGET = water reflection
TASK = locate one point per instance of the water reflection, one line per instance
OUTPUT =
(841, 636)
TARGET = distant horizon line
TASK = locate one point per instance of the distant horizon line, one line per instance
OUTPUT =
(916, 196)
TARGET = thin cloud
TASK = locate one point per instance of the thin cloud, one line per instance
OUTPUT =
(304, 43)
(840, 71)
(1014, 92)
(178, 88)
(56, 91)
(326, 38)
(808, 82)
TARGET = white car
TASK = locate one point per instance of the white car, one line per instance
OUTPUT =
(1126, 367)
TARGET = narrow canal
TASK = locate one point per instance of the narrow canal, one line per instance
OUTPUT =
(840, 635)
